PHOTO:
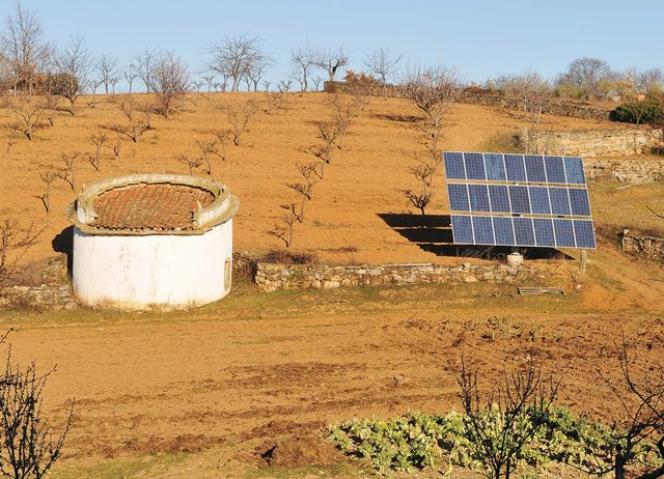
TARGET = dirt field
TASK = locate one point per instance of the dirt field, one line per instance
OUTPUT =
(364, 181)
(202, 394)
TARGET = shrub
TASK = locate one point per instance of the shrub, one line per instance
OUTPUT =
(61, 84)
(289, 257)
(649, 112)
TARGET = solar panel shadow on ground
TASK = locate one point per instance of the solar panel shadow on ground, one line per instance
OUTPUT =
(518, 200)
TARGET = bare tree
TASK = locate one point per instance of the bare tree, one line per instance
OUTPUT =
(107, 70)
(73, 64)
(130, 75)
(285, 229)
(496, 425)
(191, 162)
(29, 447)
(68, 171)
(303, 59)
(331, 61)
(143, 66)
(432, 91)
(23, 47)
(239, 118)
(585, 75)
(15, 242)
(637, 418)
(650, 80)
(382, 64)
(47, 177)
(530, 92)
(98, 140)
(169, 81)
(139, 117)
(209, 80)
(304, 189)
(28, 116)
(234, 57)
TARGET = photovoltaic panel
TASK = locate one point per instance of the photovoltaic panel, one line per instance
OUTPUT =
(559, 201)
(539, 200)
(454, 166)
(483, 228)
(479, 198)
(504, 230)
(564, 231)
(515, 168)
(579, 201)
(574, 171)
(584, 234)
(474, 163)
(535, 168)
(544, 232)
(495, 167)
(462, 230)
(555, 172)
(518, 200)
(523, 232)
(459, 197)
(499, 197)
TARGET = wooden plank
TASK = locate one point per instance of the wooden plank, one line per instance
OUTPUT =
(536, 291)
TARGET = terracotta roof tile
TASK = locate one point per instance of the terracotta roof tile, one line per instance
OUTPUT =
(150, 207)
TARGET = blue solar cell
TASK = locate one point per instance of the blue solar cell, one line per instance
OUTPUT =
(519, 199)
(555, 173)
(539, 200)
(523, 231)
(516, 171)
(483, 228)
(564, 233)
(559, 201)
(535, 168)
(585, 236)
(499, 199)
(462, 229)
(544, 232)
(474, 166)
(574, 170)
(503, 230)
(454, 166)
(458, 197)
(579, 201)
(479, 198)
(495, 168)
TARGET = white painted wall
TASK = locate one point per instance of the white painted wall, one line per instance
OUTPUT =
(139, 272)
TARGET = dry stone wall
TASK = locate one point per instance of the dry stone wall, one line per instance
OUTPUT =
(478, 96)
(635, 171)
(649, 247)
(271, 277)
(591, 143)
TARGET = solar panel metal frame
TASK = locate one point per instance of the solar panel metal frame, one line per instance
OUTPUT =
(455, 163)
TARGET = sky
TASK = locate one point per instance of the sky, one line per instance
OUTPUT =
(480, 39)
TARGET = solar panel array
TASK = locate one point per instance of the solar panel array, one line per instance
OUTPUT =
(518, 200)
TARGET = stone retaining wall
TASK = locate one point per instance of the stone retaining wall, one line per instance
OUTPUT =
(649, 247)
(634, 171)
(591, 143)
(271, 277)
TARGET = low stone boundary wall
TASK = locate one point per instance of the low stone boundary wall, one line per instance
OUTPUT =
(650, 247)
(591, 143)
(271, 277)
(478, 96)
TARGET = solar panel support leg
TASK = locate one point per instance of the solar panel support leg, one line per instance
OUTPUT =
(582, 263)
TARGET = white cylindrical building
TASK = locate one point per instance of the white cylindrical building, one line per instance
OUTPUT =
(152, 241)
